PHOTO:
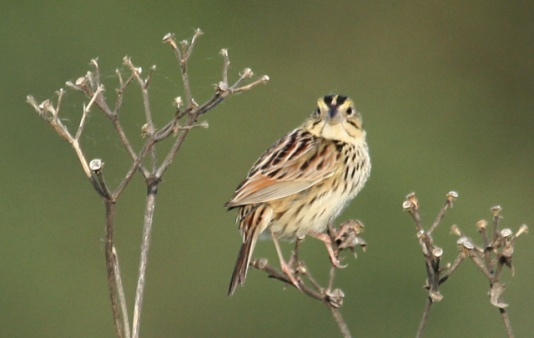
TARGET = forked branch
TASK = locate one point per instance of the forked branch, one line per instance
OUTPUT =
(91, 87)
(347, 236)
(496, 253)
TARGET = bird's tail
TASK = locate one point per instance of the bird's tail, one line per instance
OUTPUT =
(252, 222)
(241, 265)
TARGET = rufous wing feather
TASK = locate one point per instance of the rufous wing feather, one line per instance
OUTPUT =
(295, 163)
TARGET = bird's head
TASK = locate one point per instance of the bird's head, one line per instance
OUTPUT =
(336, 118)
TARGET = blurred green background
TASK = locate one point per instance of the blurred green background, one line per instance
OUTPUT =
(447, 93)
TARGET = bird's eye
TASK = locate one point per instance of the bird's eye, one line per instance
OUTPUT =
(350, 111)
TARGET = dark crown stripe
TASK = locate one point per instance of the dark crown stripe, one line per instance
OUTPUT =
(340, 100)
(334, 100)
(328, 99)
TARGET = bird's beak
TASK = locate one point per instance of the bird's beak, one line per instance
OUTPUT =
(333, 116)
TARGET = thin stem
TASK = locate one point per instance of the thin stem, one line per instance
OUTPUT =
(424, 319)
(81, 157)
(340, 322)
(143, 84)
(487, 248)
(111, 268)
(121, 296)
(496, 218)
(480, 264)
(198, 33)
(417, 219)
(439, 217)
(85, 112)
(185, 80)
(176, 146)
(322, 294)
(133, 168)
(100, 102)
(120, 91)
(98, 180)
(459, 259)
(226, 65)
(261, 264)
(507, 323)
(91, 87)
(183, 56)
(126, 143)
(331, 275)
(143, 261)
(308, 275)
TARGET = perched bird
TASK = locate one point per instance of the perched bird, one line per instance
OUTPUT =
(303, 182)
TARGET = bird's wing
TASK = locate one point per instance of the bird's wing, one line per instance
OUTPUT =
(295, 163)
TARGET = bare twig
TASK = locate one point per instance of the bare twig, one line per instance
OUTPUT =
(346, 237)
(121, 296)
(424, 318)
(112, 269)
(90, 86)
(340, 322)
(136, 164)
(143, 261)
(431, 253)
(501, 246)
(148, 127)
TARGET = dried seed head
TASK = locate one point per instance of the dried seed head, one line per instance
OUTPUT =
(222, 86)
(347, 236)
(435, 296)
(47, 107)
(80, 81)
(468, 245)
(482, 224)
(167, 37)
(437, 252)
(301, 269)
(31, 100)
(262, 263)
(413, 199)
(496, 210)
(452, 195)
(335, 298)
(506, 232)
(455, 230)
(247, 72)
(508, 252)
(145, 130)
(523, 229)
(465, 243)
(407, 205)
(496, 292)
(96, 164)
(178, 102)
(203, 124)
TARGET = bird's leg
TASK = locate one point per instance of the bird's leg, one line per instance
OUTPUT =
(286, 269)
(327, 240)
(294, 259)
